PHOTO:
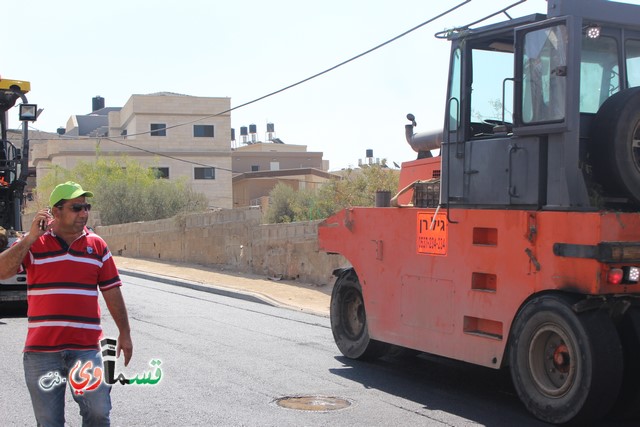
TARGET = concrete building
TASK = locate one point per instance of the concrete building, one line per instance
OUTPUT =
(181, 136)
(259, 166)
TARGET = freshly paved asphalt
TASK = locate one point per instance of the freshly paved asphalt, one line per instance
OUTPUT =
(283, 293)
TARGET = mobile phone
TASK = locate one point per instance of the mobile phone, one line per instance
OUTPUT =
(44, 222)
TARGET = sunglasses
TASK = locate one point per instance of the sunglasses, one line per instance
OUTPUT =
(77, 207)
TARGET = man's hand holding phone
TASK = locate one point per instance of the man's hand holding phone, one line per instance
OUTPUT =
(43, 218)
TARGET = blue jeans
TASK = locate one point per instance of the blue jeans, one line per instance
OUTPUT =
(48, 404)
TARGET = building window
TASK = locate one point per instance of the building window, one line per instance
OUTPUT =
(203, 131)
(204, 173)
(158, 129)
(255, 168)
(161, 172)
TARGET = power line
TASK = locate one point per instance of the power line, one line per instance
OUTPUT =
(195, 163)
(428, 21)
(168, 156)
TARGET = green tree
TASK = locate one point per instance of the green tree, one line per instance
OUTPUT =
(125, 191)
(356, 188)
(282, 200)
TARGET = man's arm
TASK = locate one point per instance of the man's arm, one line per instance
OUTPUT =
(115, 303)
(12, 257)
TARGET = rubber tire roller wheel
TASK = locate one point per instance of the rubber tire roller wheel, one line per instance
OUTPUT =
(627, 406)
(566, 368)
(349, 320)
(614, 149)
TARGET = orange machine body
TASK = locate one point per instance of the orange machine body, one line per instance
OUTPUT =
(450, 282)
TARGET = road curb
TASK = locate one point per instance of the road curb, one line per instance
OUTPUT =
(231, 293)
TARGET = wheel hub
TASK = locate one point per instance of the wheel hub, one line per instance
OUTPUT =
(551, 358)
(561, 358)
(354, 315)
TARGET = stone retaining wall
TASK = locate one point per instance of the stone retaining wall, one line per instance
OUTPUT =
(233, 238)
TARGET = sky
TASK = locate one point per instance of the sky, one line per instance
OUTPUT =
(73, 50)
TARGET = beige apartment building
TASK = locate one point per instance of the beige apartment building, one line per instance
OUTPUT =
(179, 135)
(259, 166)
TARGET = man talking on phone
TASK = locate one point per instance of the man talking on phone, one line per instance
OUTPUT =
(67, 267)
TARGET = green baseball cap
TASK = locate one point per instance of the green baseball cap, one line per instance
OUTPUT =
(66, 191)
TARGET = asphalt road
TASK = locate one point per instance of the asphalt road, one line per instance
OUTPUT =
(226, 362)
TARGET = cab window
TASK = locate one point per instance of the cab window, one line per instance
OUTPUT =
(599, 72)
(633, 62)
(544, 68)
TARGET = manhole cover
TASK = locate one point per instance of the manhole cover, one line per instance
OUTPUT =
(313, 403)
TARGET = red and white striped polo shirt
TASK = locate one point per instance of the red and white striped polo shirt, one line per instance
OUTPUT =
(62, 291)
